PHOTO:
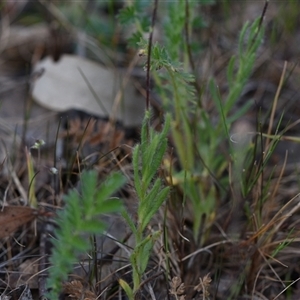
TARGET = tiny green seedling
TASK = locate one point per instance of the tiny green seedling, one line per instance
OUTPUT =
(147, 158)
(80, 216)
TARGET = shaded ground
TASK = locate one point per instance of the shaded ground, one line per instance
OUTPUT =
(227, 259)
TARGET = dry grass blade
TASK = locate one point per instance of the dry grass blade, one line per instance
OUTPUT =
(295, 281)
(12, 217)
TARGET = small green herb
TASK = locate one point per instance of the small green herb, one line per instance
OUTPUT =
(79, 217)
(147, 158)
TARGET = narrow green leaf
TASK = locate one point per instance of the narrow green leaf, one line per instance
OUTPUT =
(129, 221)
(111, 185)
(136, 172)
(88, 186)
(108, 206)
(159, 199)
(242, 39)
(233, 96)
(146, 203)
(128, 290)
(144, 132)
(143, 250)
(155, 152)
(215, 94)
(230, 72)
(155, 160)
(241, 111)
(145, 255)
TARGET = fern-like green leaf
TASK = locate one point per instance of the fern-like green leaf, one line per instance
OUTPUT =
(108, 206)
(127, 15)
(89, 187)
(113, 183)
(80, 217)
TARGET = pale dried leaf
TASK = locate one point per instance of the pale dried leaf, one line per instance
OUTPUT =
(12, 217)
(63, 86)
(177, 287)
(203, 285)
(76, 290)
